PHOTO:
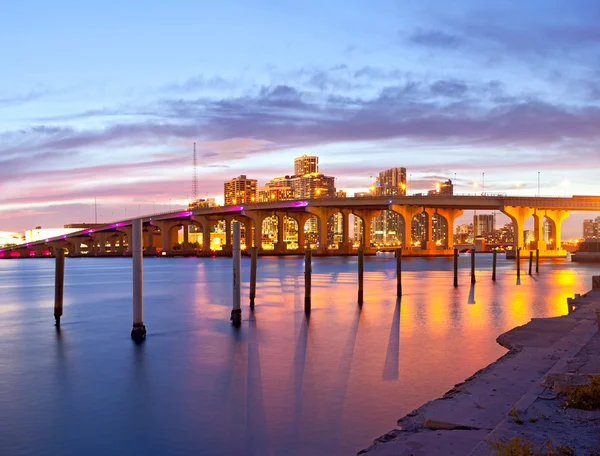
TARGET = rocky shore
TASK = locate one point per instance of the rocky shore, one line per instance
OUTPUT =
(519, 395)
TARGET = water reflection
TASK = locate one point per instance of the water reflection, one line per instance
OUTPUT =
(281, 384)
(390, 369)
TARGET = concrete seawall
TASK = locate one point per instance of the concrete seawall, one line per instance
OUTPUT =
(518, 395)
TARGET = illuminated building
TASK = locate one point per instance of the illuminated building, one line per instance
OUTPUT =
(391, 182)
(40, 234)
(386, 227)
(445, 188)
(464, 233)
(208, 202)
(240, 190)
(484, 224)
(266, 194)
(591, 229)
(306, 164)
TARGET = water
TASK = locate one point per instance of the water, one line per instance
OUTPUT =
(281, 385)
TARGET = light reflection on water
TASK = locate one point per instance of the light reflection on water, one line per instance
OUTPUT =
(282, 384)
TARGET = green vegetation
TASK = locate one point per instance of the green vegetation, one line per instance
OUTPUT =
(585, 397)
(519, 447)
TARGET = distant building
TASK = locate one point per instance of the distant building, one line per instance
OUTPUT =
(591, 229)
(208, 202)
(40, 234)
(391, 182)
(484, 224)
(464, 233)
(306, 164)
(386, 228)
(445, 188)
(266, 194)
(240, 190)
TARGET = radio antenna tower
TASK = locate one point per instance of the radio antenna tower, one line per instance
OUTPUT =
(195, 177)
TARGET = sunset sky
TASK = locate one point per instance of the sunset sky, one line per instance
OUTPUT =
(104, 101)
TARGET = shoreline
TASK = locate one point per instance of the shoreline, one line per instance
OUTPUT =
(545, 356)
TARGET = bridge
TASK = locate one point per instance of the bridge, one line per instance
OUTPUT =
(161, 230)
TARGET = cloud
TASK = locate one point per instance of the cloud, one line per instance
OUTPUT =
(20, 99)
(435, 39)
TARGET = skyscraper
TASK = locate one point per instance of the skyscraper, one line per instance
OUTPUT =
(591, 229)
(484, 224)
(386, 226)
(391, 182)
(240, 190)
(306, 164)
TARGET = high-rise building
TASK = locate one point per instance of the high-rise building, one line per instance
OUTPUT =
(306, 164)
(391, 182)
(240, 190)
(267, 193)
(484, 224)
(591, 229)
(385, 228)
(445, 188)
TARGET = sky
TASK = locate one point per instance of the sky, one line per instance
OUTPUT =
(102, 101)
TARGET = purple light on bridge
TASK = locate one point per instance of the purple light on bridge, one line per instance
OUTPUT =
(64, 236)
(182, 214)
(299, 203)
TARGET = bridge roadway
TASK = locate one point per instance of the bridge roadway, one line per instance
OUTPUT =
(161, 230)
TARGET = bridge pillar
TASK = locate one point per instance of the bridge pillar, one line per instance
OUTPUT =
(408, 213)
(74, 247)
(518, 215)
(227, 246)
(430, 243)
(345, 246)
(280, 247)
(366, 215)
(450, 215)
(186, 237)
(206, 224)
(557, 217)
(167, 235)
(323, 214)
(127, 230)
(149, 247)
(301, 219)
(257, 218)
(538, 229)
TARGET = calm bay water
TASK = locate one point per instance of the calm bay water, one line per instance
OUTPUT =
(280, 385)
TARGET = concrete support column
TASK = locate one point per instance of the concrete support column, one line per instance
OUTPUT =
(186, 236)
(518, 215)
(538, 229)
(450, 215)
(74, 247)
(366, 216)
(280, 247)
(407, 213)
(346, 246)
(323, 216)
(166, 228)
(557, 217)
(206, 226)
(127, 230)
(227, 245)
(301, 219)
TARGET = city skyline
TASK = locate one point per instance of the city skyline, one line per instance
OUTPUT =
(119, 126)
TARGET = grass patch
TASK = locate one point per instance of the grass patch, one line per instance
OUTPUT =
(585, 397)
(519, 447)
